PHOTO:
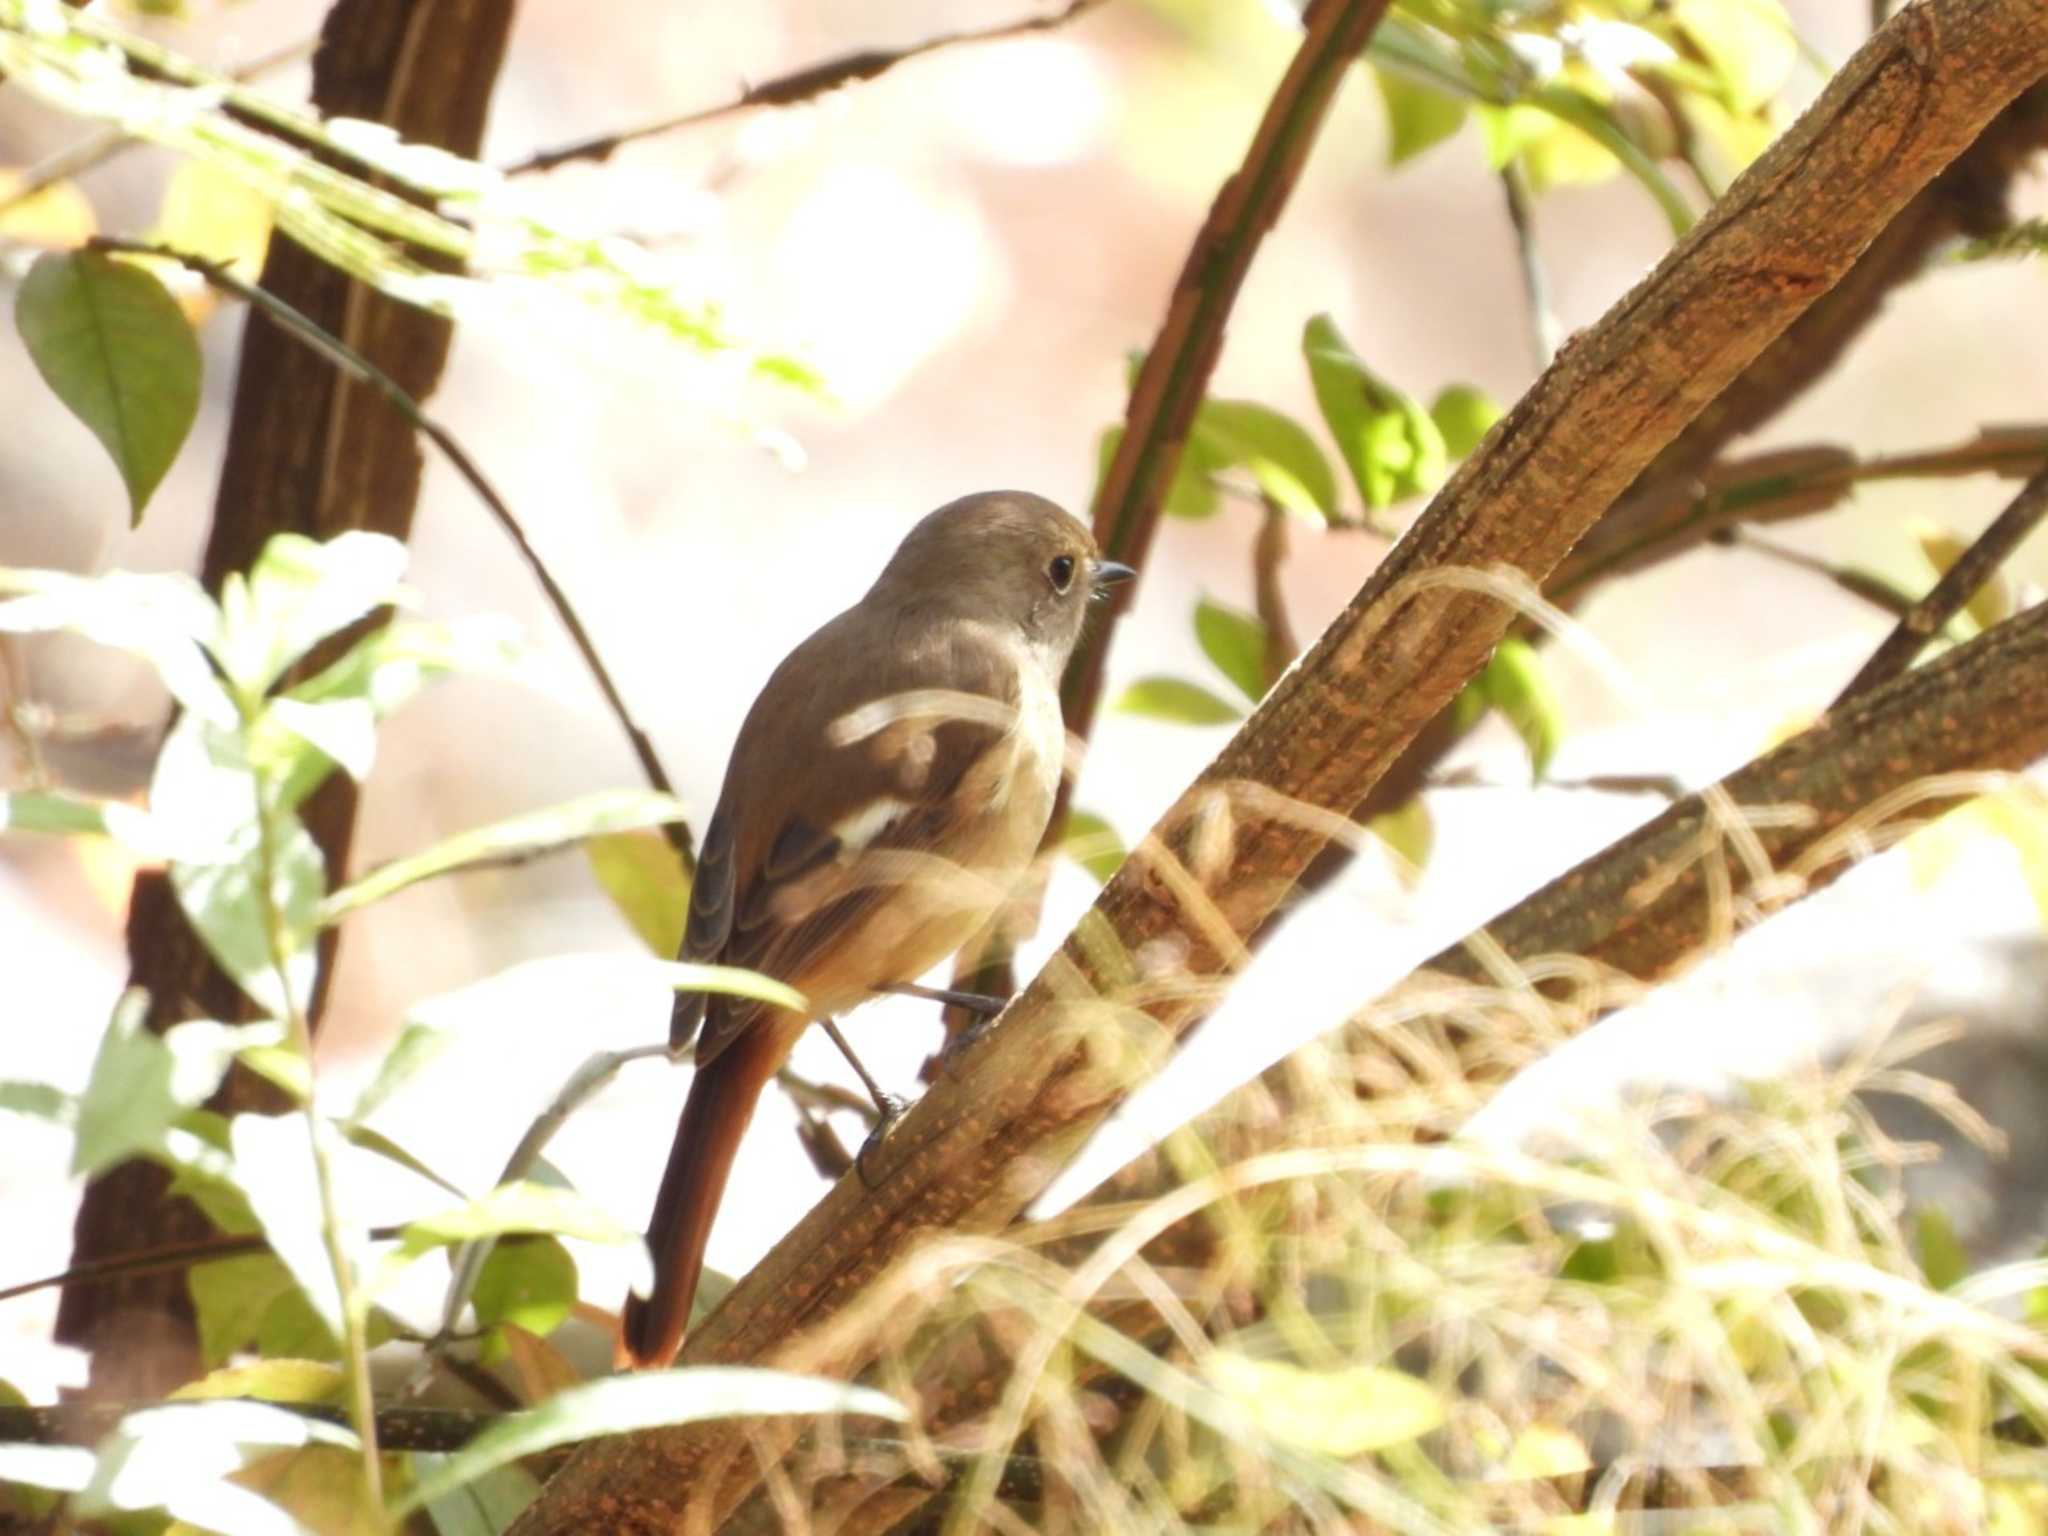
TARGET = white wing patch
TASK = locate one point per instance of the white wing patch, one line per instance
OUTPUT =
(856, 831)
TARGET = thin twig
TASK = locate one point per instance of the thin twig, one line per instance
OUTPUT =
(1780, 484)
(356, 366)
(1269, 553)
(407, 1428)
(165, 1256)
(1871, 588)
(787, 90)
(1543, 325)
(1958, 584)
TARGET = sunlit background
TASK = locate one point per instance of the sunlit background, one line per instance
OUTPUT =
(968, 249)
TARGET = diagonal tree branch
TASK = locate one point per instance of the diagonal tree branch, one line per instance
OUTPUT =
(1958, 584)
(1168, 931)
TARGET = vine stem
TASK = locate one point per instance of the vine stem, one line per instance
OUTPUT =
(355, 1340)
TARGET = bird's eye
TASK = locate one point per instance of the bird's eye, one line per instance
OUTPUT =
(1061, 572)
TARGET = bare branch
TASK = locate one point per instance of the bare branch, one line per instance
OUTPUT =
(1958, 584)
(787, 90)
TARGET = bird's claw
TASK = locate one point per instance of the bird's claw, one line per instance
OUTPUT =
(890, 1109)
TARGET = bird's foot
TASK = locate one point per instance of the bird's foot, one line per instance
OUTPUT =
(891, 1108)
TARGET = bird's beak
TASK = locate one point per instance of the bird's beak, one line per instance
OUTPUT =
(1111, 573)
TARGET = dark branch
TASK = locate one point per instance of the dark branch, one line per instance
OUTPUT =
(803, 85)
(1958, 584)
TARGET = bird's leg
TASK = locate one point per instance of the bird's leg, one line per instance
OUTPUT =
(974, 1002)
(888, 1106)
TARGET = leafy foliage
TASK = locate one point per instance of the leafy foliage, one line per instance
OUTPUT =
(116, 349)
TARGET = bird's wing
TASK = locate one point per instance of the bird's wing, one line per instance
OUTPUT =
(884, 788)
(709, 923)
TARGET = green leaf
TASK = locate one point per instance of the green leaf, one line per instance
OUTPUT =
(344, 731)
(1517, 683)
(225, 903)
(377, 1144)
(179, 1457)
(731, 980)
(1172, 698)
(1418, 116)
(484, 1506)
(1192, 495)
(1341, 1413)
(1749, 44)
(1943, 1258)
(1236, 642)
(38, 1101)
(1282, 458)
(391, 664)
(113, 345)
(518, 837)
(204, 788)
(282, 1065)
(1464, 415)
(1410, 832)
(273, 1167)
(282, 1380)
(141, 1083)
(298, 593)
(251, 1301)
(1092, 843)
(54, 813)
(1595, 120)
(1387, 440)
(623, 1403)
(417, 1047)
(517, 1207)
(644, 876)
(167, 620)
(528, 1282)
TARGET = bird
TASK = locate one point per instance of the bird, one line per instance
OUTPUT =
(886, 793)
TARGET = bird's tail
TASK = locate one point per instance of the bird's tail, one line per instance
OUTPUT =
(723, 1094)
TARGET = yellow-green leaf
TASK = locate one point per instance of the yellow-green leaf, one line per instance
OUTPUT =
(1991, 603)
(1518, 685)
(1464, 415)
(644, 876)
(1092, 843)
(1749, 43)
(1388, 441)
(1236, 642)
(1411, 833)
(113, 345)
(1175, 699)
(1340, 1413)
(272, 1381)
(1418, 116)
(1276, 450)
(529, 1282)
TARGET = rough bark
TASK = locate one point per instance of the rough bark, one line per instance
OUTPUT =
(312, 453)
(1168, 931)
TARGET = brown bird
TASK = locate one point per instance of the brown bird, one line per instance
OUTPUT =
(886, 792)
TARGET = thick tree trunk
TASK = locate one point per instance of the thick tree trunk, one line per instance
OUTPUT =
(308, 452)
